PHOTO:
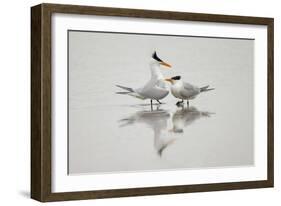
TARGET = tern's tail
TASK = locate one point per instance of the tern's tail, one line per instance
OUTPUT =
(206, 89)
(128, 89)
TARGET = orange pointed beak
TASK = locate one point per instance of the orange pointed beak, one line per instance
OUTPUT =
(169, 80)
(165, 64)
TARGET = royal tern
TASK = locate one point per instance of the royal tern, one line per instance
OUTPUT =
(155, 88)
(185, 91)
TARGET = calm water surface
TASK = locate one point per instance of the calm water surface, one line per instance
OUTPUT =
(117, 133)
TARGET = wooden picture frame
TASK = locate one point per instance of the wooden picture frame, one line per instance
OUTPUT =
(41, 116)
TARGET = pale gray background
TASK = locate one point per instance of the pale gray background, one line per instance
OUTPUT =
(97, 143)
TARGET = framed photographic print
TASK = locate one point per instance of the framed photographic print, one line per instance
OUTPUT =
(130, 102)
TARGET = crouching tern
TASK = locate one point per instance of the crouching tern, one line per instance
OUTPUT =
(156, 88)
(185, 91)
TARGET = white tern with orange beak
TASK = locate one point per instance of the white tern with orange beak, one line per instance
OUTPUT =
(156, 88)
(185, 91)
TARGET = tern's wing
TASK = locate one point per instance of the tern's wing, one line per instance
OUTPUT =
(188, 86)
(153, 84)
(189, 90)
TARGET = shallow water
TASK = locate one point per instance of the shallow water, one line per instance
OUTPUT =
(118, 133)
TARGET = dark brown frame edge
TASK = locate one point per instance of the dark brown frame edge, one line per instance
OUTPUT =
(41, 101)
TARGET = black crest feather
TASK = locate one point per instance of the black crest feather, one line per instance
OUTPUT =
(154, 56)
(176, 78)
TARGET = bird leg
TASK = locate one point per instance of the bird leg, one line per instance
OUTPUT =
(187, 102)
(179, 103)
(159, 101)
(151, 105)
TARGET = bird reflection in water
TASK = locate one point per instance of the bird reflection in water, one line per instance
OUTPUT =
(158, 119)
(184, 117)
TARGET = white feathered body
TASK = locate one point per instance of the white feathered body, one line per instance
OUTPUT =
(156, 88)
(183, 90)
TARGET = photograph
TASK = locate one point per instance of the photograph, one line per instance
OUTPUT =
(133, 102)
(158, 102)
